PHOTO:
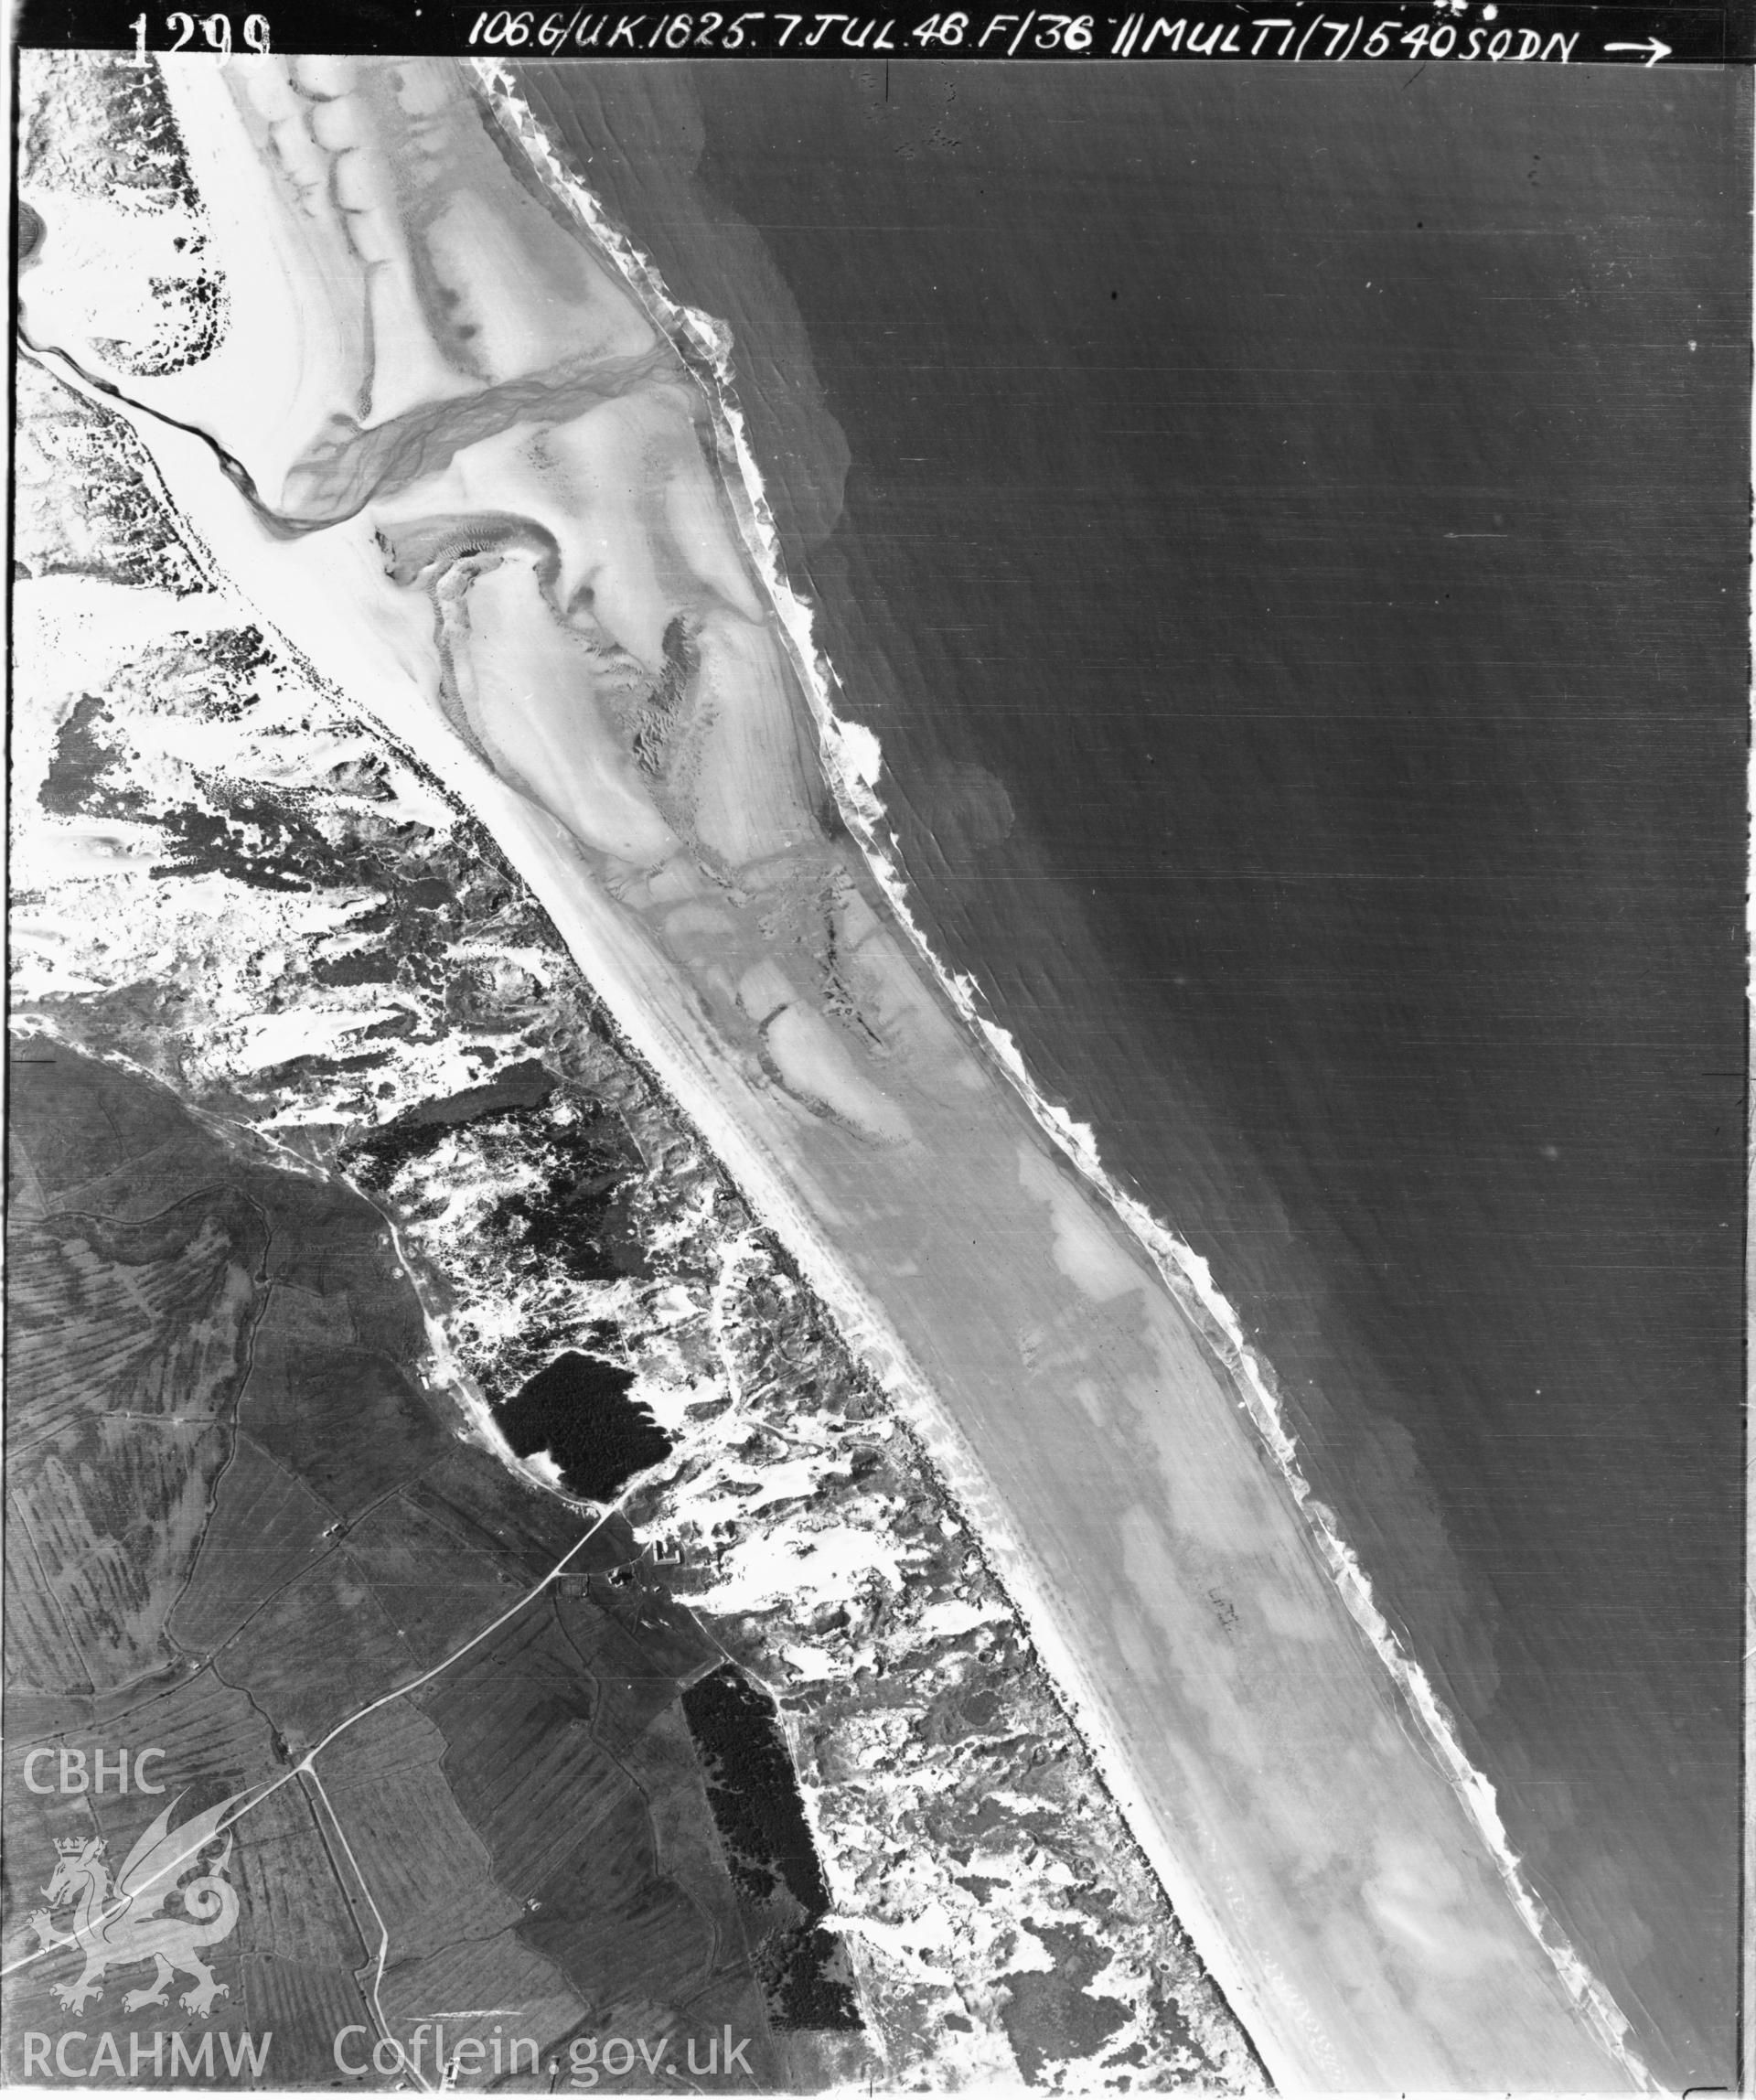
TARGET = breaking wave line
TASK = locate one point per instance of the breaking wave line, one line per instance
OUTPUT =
(853, 761)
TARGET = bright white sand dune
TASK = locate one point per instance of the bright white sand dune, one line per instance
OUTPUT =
(1334, 1859)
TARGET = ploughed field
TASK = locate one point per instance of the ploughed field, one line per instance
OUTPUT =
(237, 1520)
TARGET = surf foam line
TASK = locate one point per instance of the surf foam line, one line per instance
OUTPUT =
(853, 761)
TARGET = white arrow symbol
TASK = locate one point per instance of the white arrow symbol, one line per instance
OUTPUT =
(1652, 44)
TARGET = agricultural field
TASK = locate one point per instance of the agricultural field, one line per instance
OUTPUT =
(412, 1835)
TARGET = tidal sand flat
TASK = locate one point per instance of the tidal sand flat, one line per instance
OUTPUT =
(317, 954)
(462, 450)
(1281, 529)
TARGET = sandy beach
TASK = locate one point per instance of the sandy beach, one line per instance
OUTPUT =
(474, 467)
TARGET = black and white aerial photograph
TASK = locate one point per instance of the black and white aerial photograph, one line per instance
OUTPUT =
(876, 1082)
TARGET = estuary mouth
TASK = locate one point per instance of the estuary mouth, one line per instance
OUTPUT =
(574, 1360)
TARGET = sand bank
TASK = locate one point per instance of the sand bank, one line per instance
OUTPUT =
(459, 449)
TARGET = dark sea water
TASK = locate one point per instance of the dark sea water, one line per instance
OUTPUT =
(1287, 530)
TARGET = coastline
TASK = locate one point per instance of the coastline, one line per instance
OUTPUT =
(853, 760)
(762, 1148)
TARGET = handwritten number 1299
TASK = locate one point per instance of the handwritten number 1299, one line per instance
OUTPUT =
(216, 33)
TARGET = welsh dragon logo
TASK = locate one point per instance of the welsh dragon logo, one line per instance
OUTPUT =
(118, 1923)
